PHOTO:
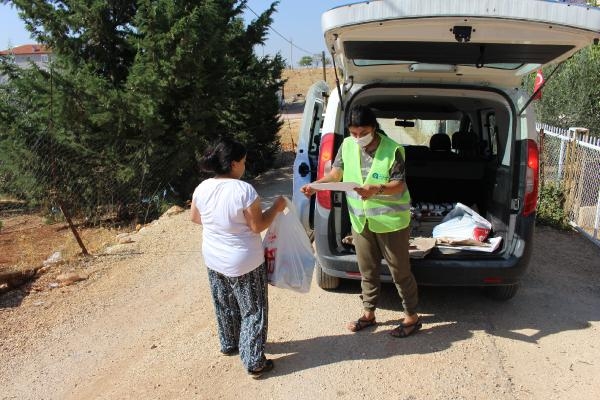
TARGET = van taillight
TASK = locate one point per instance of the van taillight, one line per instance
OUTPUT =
(324, 166)
(532, 178)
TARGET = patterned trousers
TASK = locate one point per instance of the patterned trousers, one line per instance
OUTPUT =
(241, 306)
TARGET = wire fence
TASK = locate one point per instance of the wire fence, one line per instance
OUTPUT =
(58, 183)
(47, 180)
(570, 159)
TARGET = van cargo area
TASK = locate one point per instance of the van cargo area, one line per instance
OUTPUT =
(459, 147)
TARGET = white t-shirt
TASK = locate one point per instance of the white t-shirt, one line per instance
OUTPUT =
(228, 245)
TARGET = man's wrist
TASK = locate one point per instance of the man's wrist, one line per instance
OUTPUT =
(381, 189)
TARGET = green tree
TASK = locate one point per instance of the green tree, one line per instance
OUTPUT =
(135, 93)
(571, 97)
(305, 61)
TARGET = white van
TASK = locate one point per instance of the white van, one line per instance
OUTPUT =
(444, 80)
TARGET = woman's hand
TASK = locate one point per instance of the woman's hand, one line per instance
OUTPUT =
(259, 220)
(307, 190)
(335, 175)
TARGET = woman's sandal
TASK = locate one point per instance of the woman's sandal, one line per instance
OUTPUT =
(269, 364)
(402, 331)
(360, 324)
(230, 352)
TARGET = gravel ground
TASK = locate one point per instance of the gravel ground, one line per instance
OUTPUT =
(142, 326)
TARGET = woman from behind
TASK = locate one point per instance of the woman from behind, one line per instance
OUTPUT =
(230, 212)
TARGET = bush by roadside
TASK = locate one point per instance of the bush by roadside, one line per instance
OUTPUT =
(551, 210)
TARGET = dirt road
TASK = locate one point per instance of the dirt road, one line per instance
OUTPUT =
(142, 326)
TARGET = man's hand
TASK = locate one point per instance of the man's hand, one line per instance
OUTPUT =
(367, 191)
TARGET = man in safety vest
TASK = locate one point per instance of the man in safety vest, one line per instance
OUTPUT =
(379, 211)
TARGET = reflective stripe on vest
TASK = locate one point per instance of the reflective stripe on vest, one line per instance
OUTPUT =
(385, 213)
(384, 209)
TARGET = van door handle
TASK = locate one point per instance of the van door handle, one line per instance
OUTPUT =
(303, 169)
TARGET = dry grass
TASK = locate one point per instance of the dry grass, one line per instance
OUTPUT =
(288, 134)
(298, 81)
(27, 240)
(94, 239)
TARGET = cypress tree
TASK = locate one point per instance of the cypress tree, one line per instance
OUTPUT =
(134, 94)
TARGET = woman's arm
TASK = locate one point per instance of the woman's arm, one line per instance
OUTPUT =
(335, 175)
(258, 220)
(195, 214)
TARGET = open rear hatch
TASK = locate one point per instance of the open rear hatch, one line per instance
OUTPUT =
(493, 42)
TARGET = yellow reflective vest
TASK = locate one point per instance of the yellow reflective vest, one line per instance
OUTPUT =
(384, 213)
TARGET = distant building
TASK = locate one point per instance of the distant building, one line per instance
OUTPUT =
(27, 53)
(580, 2)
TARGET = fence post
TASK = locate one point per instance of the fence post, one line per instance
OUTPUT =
(561, 158)
(541, 159)
(573, 163)
(569, 173)
(597, 221)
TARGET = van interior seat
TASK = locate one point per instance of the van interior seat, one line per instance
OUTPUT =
(441, 147)
(466, 144)
(440, 142)
(416, 153)
(440, 176)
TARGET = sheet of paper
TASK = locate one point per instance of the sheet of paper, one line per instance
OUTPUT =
(340, 186)
(493, 245)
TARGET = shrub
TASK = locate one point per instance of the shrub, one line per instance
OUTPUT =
(550, 210)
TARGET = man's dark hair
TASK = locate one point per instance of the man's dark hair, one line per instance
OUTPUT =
(361, 116)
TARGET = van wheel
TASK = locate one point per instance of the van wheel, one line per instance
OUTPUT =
(326, 281)
(502, 293)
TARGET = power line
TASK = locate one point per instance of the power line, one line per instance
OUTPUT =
(283, 37)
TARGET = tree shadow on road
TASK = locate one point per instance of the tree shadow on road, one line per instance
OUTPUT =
(450, 315)
(368, 344)
(559, 293)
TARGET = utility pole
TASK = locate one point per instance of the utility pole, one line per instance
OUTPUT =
(291, 53)
(323, 62)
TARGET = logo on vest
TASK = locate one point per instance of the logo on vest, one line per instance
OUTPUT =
(377, 176)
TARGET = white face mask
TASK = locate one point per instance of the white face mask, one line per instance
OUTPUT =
(364, 141)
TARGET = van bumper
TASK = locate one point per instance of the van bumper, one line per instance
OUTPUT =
(457, 271)
(438, 272)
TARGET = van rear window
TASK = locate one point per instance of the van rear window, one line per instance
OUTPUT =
(420, 134)
(487, 54)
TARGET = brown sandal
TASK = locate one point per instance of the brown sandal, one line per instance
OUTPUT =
(256, 373)
(402, 330)
(360, 324)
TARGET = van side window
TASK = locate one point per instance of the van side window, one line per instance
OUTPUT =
(492, 132)
(316, 124)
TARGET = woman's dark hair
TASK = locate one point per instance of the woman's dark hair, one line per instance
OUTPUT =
(218, 159)
(361, 116)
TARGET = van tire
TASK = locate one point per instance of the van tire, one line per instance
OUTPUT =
(325, 281)
(502, 293)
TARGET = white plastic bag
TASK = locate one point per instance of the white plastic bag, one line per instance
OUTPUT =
(288, 252)
(463, 223)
